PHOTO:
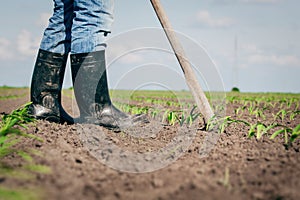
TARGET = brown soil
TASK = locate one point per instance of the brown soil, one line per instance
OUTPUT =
(237, 168)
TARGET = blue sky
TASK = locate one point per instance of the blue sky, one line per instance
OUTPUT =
(255, 44)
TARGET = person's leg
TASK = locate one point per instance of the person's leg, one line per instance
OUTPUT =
(57, 36)
(49, 69)
(91, 24)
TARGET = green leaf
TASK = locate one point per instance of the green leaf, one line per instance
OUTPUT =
(31, 136)
(25, 156)
(242, 121)
(294, 136)
(297, 128)
(260, 130)
(276, 133)
(19, 194)
(251, 131)
(295, 133)
(39, 169)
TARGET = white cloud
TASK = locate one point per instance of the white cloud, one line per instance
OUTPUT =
(6, 51)
(43, 19)
(280, 60)
(26, 45)
(251, 49)
(252, 54)
(205, 18)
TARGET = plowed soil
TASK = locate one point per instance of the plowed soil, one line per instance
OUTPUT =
(237, 168)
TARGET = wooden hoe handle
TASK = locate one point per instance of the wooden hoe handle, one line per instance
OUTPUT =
(191, 80)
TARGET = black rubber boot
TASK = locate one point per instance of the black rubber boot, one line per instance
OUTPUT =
(46, 86)
(92, 94)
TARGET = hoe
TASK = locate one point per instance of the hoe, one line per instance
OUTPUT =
(191, 80)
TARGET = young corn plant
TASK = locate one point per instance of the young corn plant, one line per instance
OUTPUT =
(259, 129)
(239, 111)
(281, 115)
(181, 119)
(7, 129)
(293, 114)
(190, 119)
(192, 116)
(228, 121)
(251, 110)
(223, 123)
(154, 113)
(172, 118)
(20, 194)
(18, 117)
(11, 134)
(295, 133)
(259, 112)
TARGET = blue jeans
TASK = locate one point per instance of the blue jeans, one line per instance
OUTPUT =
(78, 26)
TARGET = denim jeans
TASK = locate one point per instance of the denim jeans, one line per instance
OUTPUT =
(78, 26)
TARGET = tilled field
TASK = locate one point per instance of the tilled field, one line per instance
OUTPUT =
(238, 167)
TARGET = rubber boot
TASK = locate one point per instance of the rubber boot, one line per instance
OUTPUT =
(46, 86)
(92, 94)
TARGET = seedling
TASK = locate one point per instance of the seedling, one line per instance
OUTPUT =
(281, 114)
(295, 133)
(181, 119)
(171, 118)
(293, 114)
(10, 133)
(223, 123)
(193, 116)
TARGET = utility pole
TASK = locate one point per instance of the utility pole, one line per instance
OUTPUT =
(235, 67)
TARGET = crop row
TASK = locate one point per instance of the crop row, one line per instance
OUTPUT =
(275, 115)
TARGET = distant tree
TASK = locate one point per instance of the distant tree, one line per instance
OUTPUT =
(235, 89)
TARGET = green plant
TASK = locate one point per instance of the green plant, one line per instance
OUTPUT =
(192, 116)
(259, 129)
(181, 119)
(281, 114)
(9, 128)
(295, 133)
(293, 114)
(20, 194)
(222, 123)
(171, 117)
(11, 134)
(226, 180)
(238, 110)
(18, 117)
